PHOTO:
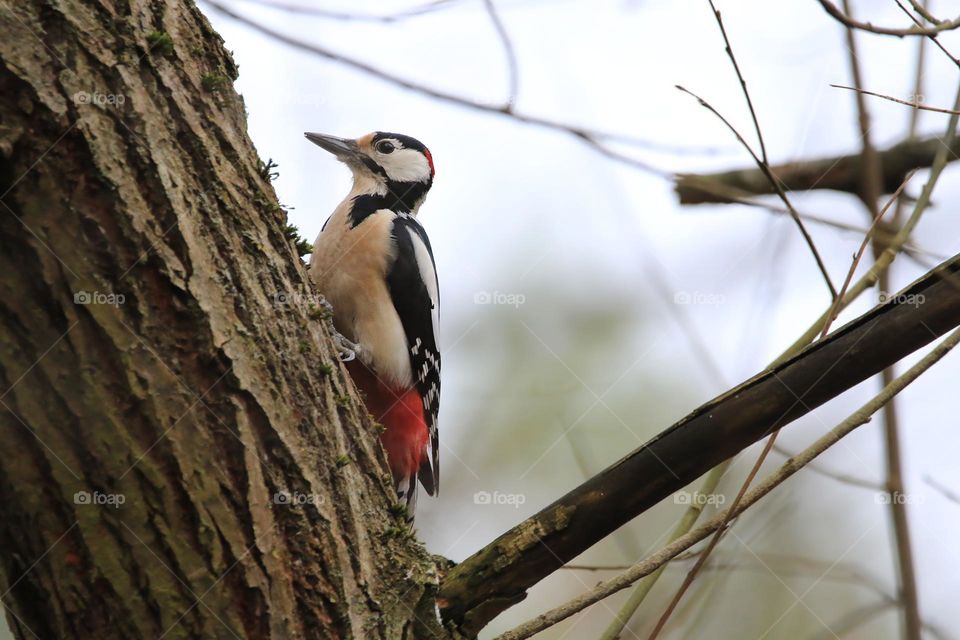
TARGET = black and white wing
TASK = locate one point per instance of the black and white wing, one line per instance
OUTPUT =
(412, 280)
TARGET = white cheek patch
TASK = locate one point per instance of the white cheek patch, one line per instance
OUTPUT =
(406, 165)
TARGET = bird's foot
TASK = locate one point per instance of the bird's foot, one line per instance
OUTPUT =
(346, 349)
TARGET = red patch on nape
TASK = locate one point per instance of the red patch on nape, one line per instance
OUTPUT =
(427, 153)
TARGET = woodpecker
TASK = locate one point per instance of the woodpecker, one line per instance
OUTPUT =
(373, 263)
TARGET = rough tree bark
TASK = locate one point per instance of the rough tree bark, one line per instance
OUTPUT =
(145, 357)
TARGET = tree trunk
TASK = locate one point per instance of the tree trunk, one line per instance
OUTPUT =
(183, 456)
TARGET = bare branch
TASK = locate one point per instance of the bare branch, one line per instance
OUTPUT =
(924, 13)
(883, 234)
(931, 36)
(593, 138)
(914, 104)
(943, 490)
(789, 468)
(778, 189)
(691, 575)
(833, 475)
(512, 66)
(834, 308)
(498, 575)
(303, 9)
(836, 173)
(784, 563)
(690, 517)
(847, 21)
(743, 83)
(890, 252)
(871, 180)
(714, 540)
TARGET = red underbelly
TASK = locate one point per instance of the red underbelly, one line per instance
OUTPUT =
(400, 411)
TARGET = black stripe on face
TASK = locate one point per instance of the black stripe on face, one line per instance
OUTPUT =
(371, 164)
(406, 141)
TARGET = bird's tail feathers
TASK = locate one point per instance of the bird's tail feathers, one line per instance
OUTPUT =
(407, 494)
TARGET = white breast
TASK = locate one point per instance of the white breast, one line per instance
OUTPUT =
(349, 268)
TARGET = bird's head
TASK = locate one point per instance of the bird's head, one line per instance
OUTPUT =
(389, 164)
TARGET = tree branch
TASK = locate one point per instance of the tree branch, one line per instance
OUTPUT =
(914, 104)
(513, 71)
(836, 173)
(598, 140)
(774, 183)
(498, 575)
(872, 179)
(789, 468)
(915, 30)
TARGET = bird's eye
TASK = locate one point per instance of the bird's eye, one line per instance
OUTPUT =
(385, 147)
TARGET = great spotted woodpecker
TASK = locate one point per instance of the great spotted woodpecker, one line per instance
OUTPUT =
(373, 263)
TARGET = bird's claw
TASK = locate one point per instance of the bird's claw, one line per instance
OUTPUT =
(346, 349)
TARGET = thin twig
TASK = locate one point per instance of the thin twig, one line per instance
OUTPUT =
(320, 12)
(847, 21)
(914, 118)
(784, 563)
(743, 83)
(882, 234)
(942, 490)
(914, 104)
(692, 514)
(903, 550)
(890, 252)
(690, 517)
(931, 36)
(924, 13)
(832, 315)
(776, 185)
(508, 50)
(872, 175)
(714, 540)
(853, 481)
(591, 137)
(763, 148)
(652, 562)
(872, 179)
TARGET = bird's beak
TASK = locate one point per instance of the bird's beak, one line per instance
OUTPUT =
(345, 150)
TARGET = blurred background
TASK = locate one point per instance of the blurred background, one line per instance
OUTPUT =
(584, 310)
